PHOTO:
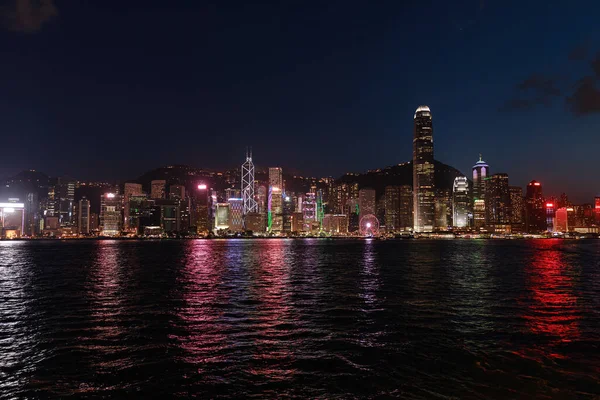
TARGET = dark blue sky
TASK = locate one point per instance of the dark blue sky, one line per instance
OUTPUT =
(110, 89)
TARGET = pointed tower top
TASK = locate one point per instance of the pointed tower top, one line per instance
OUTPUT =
(480, 157)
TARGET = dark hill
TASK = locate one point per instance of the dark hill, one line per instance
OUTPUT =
(401, 174)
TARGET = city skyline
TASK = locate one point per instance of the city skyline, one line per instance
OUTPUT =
(302, 82)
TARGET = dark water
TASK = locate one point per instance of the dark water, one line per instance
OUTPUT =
(304, 318)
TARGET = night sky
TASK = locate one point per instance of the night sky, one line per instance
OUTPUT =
(109, 89)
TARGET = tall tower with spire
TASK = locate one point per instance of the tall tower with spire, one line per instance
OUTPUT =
(423, 171)
(250, 204)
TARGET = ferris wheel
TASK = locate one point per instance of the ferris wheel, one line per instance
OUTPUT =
(369, 225)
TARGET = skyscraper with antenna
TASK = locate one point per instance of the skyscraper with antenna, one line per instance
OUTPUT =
(250, 204)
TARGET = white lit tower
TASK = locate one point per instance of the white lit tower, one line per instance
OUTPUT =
(250, 204)
(423, 171)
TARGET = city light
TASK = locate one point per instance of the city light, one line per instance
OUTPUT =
(110, 195)
(202, 187)
(549, 205)
(12, 205)
(537, 184)
(9, 210)
(368, 224)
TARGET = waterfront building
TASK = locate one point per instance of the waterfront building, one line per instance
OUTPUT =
(222, 217)
(479, 213)
(309, 211)
(83, 216)
(111, 214)
(481, 171)
(366, 202)
(247, 193)
(443, 209)
(461, 202)
(517, 204)
(497, 203)
(129, 189)
(201, 211)
(423, 171)
(392, 208)
(335, 224)
(406, 214)
(275, 201)
(255, 222)
(236, 214)
(535, 218)
(297, 222)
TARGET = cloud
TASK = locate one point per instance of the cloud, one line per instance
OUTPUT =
(27, 16)
(533, 91)
(518, 104)
(586, 98)
(595, 64)
(579, 53)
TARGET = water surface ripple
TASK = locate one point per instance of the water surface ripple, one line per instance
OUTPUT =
(300, 319)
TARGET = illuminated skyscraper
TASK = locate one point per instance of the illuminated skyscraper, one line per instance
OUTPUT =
(111, 214)
(130, 189)
(221, 216)
(248, 196)
(480, 172)
(65, 197)
(201, 209)
(261, 198)
(443, 208)
(392, 208)
(366, 202)
(157, 189)
(83, 216)
(236, 210)
(461, 202)
(275, 199)
(309, 211)
(497, 203)
(517, 208)
(406, 208)
(535, 218)
(597, 210)
(423, 171)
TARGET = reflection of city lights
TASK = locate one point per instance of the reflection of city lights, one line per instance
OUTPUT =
(202, 187)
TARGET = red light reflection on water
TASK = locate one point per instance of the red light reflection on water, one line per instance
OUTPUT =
(552, 310)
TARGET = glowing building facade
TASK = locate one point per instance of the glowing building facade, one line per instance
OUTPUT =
(481, 171)
(111, 214)
(517, 204)
(275, 208)
(236, 214)
(157, 189)
(461, 202)
(423, 171)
